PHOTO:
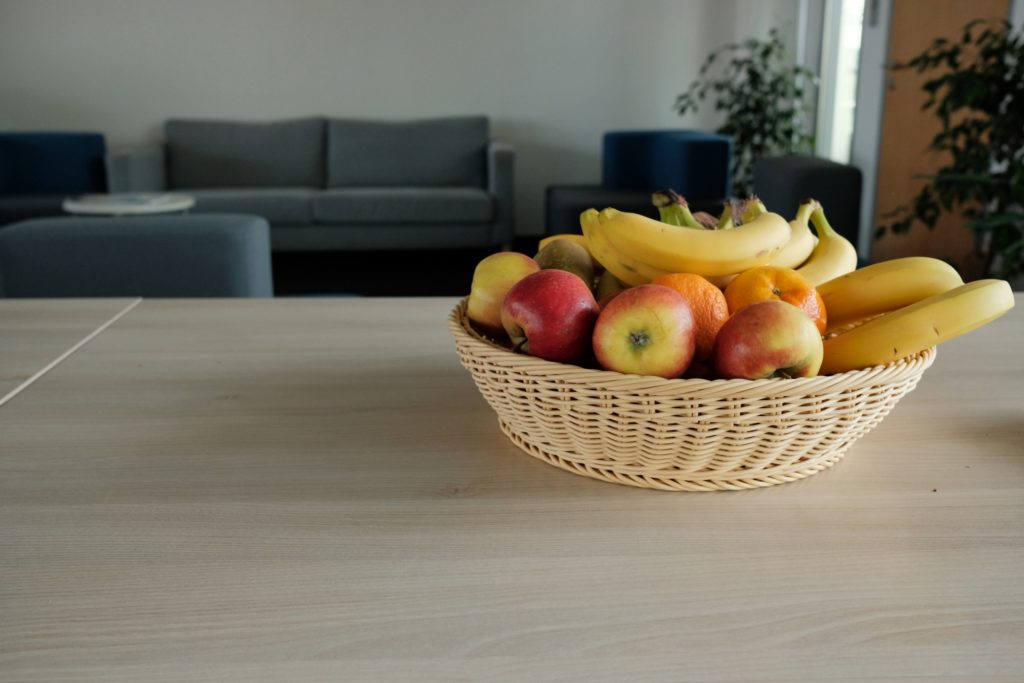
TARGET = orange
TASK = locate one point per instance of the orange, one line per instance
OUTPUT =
(710, 310)
(766, 283)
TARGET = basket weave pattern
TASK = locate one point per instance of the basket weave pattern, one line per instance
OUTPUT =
(689, 435)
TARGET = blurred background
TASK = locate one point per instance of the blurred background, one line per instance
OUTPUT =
(552, 79)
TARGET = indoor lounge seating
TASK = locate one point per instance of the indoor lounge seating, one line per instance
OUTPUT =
(212, 255)
(338, 184)
(39, 170)
(783, 182)
(635, 163)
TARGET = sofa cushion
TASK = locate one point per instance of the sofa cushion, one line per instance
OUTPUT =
(328, 237)
(42, 163)
(425, 153)
(277, 205)
(242, 154)
(403, 205)
(16, 208)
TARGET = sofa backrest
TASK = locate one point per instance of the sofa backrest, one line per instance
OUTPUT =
(204, 153)
(420, 153)
(693, 163)
(52, 163)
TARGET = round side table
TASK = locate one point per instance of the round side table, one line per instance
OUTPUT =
(128, 203)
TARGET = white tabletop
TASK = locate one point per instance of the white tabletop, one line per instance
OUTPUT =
(128, 203)
(313, 489)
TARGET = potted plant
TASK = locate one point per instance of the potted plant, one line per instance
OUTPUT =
(763, 96)
(976, 89)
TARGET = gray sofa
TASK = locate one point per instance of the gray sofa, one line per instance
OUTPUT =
(338, 184)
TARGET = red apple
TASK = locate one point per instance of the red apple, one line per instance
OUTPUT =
(646, 330)
(768, 339)
(550, 314)
(492, 279)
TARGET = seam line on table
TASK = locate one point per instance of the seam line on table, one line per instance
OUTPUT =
(64, 356)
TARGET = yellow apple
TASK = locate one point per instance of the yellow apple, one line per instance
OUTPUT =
(492, 279)
(646, 330)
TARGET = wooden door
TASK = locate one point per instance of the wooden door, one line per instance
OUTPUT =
(907, 131)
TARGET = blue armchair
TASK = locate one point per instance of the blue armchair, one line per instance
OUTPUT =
(636, 163)
(39, 170)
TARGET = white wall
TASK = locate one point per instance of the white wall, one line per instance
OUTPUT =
(553, 75)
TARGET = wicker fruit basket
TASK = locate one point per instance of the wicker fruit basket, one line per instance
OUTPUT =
(679, 435)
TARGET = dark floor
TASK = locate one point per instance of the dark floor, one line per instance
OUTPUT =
(381, 273)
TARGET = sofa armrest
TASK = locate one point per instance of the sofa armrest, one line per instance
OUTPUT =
(501, 161)
(137, 169)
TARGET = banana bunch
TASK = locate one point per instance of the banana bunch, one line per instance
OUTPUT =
(884, 287)
(911, 329)
(904, 306)
(637, 249)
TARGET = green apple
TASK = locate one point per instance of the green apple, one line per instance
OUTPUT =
(492, 278)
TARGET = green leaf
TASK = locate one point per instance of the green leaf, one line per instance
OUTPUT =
(1010, 218)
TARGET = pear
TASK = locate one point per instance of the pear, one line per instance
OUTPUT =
(567, 255)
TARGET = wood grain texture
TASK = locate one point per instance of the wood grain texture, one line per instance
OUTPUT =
(314, 490)
(33, 332)
(905, 161)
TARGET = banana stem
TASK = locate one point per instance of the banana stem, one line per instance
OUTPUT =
(753, 208)
(725, 221)
(820, 223)
(804, 211)
(673, 209)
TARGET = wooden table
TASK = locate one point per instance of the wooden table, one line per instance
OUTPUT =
(36, 334)
(314, 490)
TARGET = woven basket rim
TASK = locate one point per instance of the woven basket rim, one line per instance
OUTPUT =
(464, 333)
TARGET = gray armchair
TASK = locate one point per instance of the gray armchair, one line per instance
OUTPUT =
(152, 256)
(337, 184)
(783, 182)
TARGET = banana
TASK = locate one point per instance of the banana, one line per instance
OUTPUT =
(751, 208)
(704, 252)
(726, 220)
(801, 241)
(625, 268)
(720, 281)
(885, 286)
(919, 326)
(579, 239)
(834, 255)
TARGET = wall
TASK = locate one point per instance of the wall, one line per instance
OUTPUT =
(553, 74)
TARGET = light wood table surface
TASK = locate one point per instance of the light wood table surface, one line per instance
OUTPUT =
(36, 332)
(296, 490)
